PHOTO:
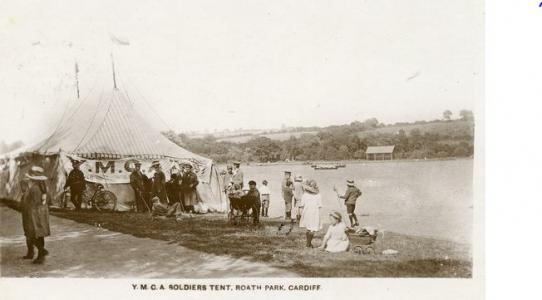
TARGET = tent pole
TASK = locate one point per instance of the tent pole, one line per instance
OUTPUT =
(113, 68)
(77, 78)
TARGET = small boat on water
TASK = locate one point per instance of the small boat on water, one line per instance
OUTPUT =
(325, 167)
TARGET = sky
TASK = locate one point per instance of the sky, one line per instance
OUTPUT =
(214, 65)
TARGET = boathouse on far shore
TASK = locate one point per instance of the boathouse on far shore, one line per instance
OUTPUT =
(379, 153)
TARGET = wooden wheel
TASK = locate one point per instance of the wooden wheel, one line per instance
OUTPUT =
(105, 201)
(358, 249)
(368, 250)
(86, 197)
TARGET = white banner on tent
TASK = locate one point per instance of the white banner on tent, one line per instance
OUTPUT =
(118, 170)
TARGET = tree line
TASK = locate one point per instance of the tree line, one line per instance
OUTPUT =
(452, 138)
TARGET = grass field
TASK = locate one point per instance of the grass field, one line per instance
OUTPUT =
(282, 136)
(418, 257)
(452, 128)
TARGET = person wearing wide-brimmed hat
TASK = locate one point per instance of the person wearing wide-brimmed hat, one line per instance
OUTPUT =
(189, 183)
(35, 214)
(335, 239)
(159, 183)
(350, 197)
(138, 185)
(77, 184)
(312, 204)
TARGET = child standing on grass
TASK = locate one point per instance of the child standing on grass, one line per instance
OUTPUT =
(265, 194)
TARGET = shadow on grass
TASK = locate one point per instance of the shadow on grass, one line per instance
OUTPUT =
(418, 257)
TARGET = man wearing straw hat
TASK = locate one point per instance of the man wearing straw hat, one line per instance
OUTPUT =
(35, 214)
(76, 183)
(350, 196)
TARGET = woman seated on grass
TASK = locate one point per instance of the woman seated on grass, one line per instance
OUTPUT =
(335, 239)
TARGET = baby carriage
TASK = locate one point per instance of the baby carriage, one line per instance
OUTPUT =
(363, 240)
(240, 207)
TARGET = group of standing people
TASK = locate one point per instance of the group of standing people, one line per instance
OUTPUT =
(303, 204)
(304, 198)
(180, 190)
(248, 199)
(292, 192)
(335, 239)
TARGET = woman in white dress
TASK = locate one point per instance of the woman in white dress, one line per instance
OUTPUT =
(311, 201)
(335, 239)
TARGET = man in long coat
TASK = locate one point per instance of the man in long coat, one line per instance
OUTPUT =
(35, 214)
(189, 183)
(138, 184)
(159, 183)
(76, 183)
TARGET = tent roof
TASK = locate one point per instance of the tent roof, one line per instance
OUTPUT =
(109, 126)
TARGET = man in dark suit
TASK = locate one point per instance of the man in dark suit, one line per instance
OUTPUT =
(173, 187)
(76, 183)
(253, 197)
(138, 184)
(159, 183)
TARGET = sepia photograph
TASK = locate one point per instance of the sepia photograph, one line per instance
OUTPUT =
(240, 139)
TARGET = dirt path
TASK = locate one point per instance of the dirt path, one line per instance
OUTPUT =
(80, 250)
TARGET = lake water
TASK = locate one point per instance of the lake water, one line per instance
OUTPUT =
(425, 198)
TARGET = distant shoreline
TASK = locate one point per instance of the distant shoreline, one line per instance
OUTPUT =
(357, 161)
